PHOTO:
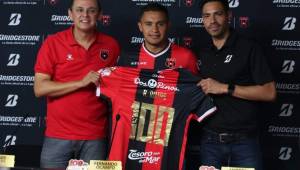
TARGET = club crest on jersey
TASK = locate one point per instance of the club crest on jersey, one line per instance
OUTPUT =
(104, 54)
(170, 63)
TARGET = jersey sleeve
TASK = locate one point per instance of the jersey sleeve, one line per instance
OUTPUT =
(109, 82)
(202, 105)
(45, 62)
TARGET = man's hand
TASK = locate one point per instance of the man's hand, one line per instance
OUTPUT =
(91, 77)
(211, 86)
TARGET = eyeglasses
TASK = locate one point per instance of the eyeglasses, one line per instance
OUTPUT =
(91, 11)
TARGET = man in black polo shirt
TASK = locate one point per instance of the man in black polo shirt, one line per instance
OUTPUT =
(235, 73)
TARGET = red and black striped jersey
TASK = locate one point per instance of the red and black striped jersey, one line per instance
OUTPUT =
(154, 110)
(173, 56)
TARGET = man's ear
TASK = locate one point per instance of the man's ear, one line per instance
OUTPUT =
(229, 14)
(140, 26)
(70, 14)
(100, 16)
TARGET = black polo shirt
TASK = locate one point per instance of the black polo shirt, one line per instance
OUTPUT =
(241, 62)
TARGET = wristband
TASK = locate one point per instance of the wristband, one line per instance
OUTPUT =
(231, 88)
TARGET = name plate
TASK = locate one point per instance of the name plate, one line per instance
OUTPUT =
(105, 165)
(236, 168)
(7, 161)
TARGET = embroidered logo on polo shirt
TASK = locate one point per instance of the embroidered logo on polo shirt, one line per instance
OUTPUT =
(170, 63)
(228, 58)
(104, 54)
(69, 57)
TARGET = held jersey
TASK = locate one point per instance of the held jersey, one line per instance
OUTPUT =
(151, 113)
(173, 56)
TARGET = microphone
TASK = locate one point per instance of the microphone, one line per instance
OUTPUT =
(118, 116)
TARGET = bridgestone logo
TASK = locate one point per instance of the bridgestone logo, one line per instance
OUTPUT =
(154, 1)
(192, 20)
(285, 86)
(286, 1)
(17, 119)
(16, 78)
(278, 129)
(19, 37)
(136, 40)
(286, 43)
(60, 18)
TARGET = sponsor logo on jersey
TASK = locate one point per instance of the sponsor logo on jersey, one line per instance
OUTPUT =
(154, 94)
(144, 157)
(154, 84)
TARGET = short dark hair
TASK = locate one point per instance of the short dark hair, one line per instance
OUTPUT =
(223, 2)
(154, 7)
(98, 4)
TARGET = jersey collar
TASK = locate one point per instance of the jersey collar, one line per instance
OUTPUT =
(158, 54)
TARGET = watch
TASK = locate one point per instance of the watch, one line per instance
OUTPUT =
(230, 89)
